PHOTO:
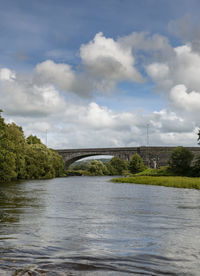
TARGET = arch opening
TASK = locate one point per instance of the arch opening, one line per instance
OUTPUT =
(87, 158)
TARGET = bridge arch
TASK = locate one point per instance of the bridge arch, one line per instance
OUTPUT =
(74, 159)
(70, 156)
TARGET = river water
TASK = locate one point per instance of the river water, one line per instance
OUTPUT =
(90, 226)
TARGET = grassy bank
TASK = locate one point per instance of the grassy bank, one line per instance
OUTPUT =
(168, 181)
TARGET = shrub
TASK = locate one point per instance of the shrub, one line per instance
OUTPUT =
(180, 161)
(116, 166)
(136, 164)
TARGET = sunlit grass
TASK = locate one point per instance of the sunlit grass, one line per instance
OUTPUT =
(168, 181)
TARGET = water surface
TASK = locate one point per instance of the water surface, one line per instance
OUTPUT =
(90, 226)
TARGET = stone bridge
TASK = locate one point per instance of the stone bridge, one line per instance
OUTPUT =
(152, 156)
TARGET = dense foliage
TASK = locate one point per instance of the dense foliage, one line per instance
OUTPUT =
(180, 161)
(114, 166)
(136, 164)
(22, 158)
(198, 137)
(195, 169)
(96, 167)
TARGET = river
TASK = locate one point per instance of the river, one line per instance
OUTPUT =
(90, 226)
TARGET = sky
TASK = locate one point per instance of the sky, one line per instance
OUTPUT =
(96, 73)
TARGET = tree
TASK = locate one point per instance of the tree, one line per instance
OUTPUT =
(22, 158)
(198, 139)
(195, 171)
(136, 164)
(116, 166)
(16, 144)
(7, 166)
(97, 168)
(33, 140)
(180, 161)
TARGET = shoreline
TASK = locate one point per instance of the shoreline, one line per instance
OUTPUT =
(166, 181)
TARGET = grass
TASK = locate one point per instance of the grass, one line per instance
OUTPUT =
(162, 171)
(168, 181)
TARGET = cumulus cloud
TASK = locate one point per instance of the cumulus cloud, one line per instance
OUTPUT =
(6, 74)
(157, 45)
(187, 28)
(178, 75)
(189, 101)
(39, 100)
(182, 68)
(108, 61)
(59, 74)
(93, 125)
(62, 76)
(21, 96)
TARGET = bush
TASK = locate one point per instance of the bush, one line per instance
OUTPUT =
(180, 161)
(136, 164)
(162, 171)
(195, 170)
(116, 166)
(97, 168)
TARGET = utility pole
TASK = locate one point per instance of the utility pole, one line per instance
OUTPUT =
(147, 135)
(148, 146)
(46, 137)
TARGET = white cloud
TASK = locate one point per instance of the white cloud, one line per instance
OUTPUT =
(58, 74)
(178, 78)
(149, 43)
(6, 74)
(183, 68)
(108, 62)
(39, 101)
(184, 100)
(21, 96)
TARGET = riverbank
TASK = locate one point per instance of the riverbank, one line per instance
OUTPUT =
(167, 181)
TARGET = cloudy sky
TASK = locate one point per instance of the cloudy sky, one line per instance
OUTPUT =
(95, 73)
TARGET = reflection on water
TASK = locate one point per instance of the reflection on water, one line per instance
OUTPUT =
(90, 226)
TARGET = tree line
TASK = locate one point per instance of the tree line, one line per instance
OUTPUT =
(180, 163)
(115, 166)
(26, 158)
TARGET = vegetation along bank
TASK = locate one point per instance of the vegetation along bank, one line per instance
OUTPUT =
(26, 158)
(182, 172)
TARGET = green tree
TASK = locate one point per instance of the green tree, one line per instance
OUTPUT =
(7, 156)
(42, 162)
(33, 140)
(180, 161)
(16, 144)
(198, 139)
(22, 158)
(116, 166)
(7, 166)
(136, 164)
(97, 168)
(195, 170)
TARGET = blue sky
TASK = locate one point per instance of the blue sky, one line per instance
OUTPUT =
(91, 37)
(31, 29)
